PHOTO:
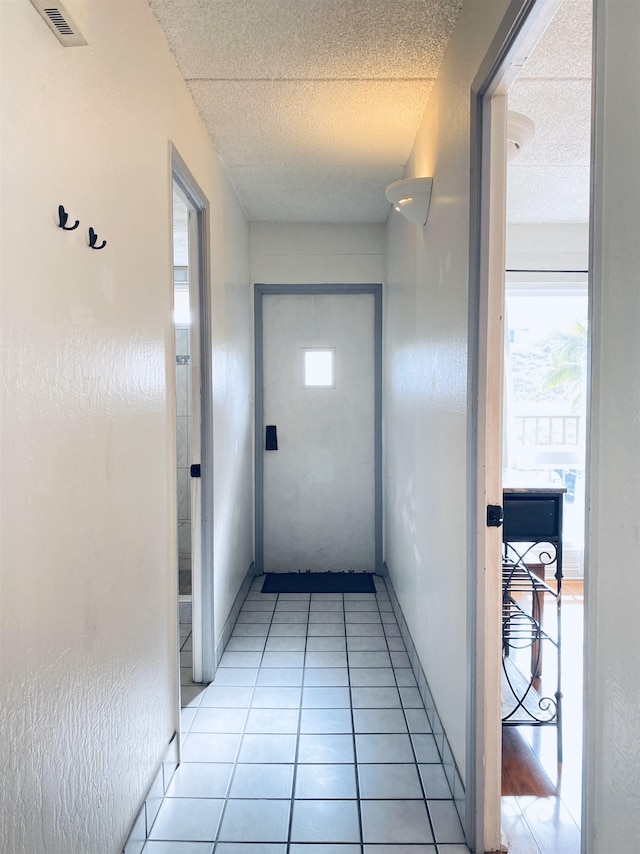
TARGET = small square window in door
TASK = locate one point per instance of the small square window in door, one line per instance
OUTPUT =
(319, 368)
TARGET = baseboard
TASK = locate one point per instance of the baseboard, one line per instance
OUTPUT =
(229, 625)
(456, 784)
(143, 823)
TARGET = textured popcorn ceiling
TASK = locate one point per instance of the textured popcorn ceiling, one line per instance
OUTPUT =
(549, 180)
(313, 105)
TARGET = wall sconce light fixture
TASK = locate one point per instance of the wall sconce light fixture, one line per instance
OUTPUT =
(411, 197)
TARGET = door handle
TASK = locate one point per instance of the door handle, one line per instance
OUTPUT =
(495, 516)
(271, 439)
(195, 471)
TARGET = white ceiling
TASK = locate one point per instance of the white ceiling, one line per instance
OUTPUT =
(314, 104)
(549, 180)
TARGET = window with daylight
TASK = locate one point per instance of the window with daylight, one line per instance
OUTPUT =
(319, 368)
(545, 392)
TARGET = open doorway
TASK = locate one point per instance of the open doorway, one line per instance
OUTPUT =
(194, 457)
(544, 457)
(544, 426)
(532, 246)
(544, 423)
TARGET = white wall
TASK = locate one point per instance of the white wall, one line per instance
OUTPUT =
(88, 539)
(611, 809)
(300, 254)
(425, 398)
(425, 404)
(232, 377)
(553, 246)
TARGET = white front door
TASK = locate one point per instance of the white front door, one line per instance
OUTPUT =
(319, 392)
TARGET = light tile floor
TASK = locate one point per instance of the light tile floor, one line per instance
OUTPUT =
(311, 740)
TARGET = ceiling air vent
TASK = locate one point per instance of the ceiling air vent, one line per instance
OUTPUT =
(61, 21)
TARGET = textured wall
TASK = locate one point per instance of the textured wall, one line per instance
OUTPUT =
(558, 246)
(88, 540)
(425, 397)
(285, 254)
(611, 811)
(232, 380)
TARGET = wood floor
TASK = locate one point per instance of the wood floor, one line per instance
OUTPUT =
(541, 800)
(522, 773)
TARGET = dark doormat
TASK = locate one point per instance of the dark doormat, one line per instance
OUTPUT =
(318, 582)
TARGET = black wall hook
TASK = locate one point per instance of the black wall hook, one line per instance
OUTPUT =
(63, 216)
(93, 237)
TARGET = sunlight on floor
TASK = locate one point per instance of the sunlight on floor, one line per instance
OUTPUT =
(551, 825)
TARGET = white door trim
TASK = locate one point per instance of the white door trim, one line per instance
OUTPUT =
(202, 572)
(522, 26)
(264, 290)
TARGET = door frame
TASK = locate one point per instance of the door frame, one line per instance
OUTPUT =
(521, 28)
(202, 587)
(260, 291)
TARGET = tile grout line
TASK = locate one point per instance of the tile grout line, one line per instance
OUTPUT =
(356, 764)
(262, 664)
(411, 742)
(227, 797)
(409, 731)
(297, 750)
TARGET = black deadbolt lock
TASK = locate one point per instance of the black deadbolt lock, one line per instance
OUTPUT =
(495, 516)
(271, 438)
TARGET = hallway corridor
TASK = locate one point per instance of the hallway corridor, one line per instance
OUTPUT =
(313, 739)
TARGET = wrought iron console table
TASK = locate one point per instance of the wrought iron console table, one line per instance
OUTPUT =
(532, 544)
